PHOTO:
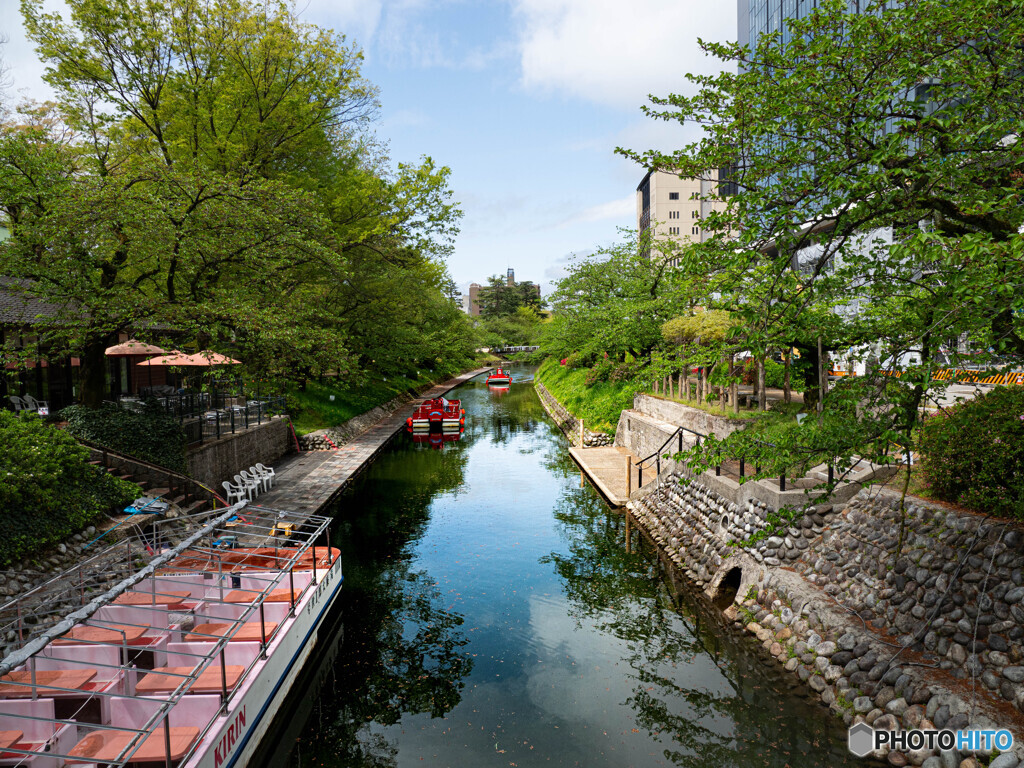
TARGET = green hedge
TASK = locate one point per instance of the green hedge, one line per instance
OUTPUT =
(48, 490)
(973, 454)
(150, 434)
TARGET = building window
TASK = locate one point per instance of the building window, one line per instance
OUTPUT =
(695, 195)
(673, 214)
(673, 230)
(696, 230)
(673, 195)
(695, 214)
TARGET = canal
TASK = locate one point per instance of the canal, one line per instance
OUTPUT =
(491, 616)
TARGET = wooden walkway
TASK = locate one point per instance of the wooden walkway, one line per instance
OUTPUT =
(309, 481)
(606, 469)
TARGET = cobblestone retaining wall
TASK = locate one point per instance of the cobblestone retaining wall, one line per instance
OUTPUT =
(569, 424)
(931, 638)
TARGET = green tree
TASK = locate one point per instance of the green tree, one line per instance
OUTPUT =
(877, 153)
(207, 168)
(616, 300)
(499, 299)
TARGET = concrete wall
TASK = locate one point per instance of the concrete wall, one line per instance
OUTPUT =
(685, 416)
(214, 462)
(894, 639)
(568, 423)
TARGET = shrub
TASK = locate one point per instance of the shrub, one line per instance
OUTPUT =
(974, 453)
(150, 434)
(48, 490)
(599, 372)
(576, 360)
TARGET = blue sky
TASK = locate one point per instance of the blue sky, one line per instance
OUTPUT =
(525, 100)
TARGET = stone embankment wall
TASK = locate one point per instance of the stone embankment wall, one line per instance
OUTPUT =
(569, 424)
(341, 434)
(216, 461)
(930, 637)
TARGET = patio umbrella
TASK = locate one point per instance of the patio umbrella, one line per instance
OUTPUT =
(135, 348)
(171, 358)
(209, 357)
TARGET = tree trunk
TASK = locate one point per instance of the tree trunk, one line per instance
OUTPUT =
(700, 385)
(734, 386)
(761, 404)
(92, 374)
(787, 386)
(685, 384)
(821, 384)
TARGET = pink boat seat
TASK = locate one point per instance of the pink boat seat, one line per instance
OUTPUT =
(41, 734)
(188, 654)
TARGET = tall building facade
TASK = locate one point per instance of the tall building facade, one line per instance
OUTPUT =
(756, 17)
(670, 207)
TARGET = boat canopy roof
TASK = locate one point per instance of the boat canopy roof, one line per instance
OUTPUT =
(215, 602)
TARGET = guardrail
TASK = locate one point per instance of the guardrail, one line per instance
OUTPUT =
(678, 434)
(216, 423)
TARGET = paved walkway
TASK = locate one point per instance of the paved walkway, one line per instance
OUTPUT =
(309, 481)
(606, 469)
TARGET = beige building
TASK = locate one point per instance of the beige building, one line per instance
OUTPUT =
(675, 207)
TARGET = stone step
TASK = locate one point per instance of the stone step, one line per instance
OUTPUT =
(199, 505)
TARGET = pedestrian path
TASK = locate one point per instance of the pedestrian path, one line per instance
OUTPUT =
(607, 469)
(309, 481)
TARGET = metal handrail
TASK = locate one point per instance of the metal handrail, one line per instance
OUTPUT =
(718, 467)
(106, 452)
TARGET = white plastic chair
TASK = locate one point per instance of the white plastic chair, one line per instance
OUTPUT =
(254, 479)
(235, 493)
(248, 483)
(261, 478)
(36, 405)
(269, 472)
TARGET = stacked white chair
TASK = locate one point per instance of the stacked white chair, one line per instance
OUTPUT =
(235, 493)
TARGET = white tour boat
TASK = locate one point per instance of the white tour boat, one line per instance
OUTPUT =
(176, 658)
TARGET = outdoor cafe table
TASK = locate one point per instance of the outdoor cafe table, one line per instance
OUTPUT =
(250, 596)
(10, 738)
(150, 598)
(112, 634)
(167, 679)
(104, 746)
(249, 631)
(75, 679)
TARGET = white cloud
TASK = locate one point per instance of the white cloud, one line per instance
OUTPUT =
(357, 19)
(617, 53)
(623, 208)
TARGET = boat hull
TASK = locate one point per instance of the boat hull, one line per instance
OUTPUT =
(236, 736)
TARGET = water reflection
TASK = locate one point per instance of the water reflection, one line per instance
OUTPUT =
(494, 616)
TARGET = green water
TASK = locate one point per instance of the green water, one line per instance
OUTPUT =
(492, 617)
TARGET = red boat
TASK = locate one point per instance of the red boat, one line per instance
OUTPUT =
(436, 415)
(500, 377)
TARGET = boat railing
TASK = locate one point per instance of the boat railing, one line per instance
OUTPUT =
(240, 590)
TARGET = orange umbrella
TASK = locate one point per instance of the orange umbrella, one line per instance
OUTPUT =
(209, 357)
(171, 358)
(133, 347)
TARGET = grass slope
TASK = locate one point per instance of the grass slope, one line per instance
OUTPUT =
(312, 409)
(599, 406)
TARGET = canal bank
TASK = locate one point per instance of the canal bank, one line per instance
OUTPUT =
(310, 481)
(929, 636)
(495, 614)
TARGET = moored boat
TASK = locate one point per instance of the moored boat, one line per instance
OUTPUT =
(437, 414)
(183, 661)
(500, 377)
